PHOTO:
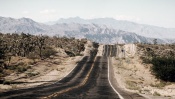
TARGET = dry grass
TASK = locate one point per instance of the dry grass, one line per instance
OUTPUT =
(156, 94)
(132, 85)
(160, 85)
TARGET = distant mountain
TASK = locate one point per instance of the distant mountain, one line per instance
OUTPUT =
(68, 21)
(78, 28)
(26, 25)
(111, 36)
(140, 29)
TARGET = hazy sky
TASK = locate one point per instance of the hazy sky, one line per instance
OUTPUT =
(153, 12)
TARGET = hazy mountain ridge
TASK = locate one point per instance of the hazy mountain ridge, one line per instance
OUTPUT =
(73, 28)
(10, 25)
(114, 37)
(140, 29)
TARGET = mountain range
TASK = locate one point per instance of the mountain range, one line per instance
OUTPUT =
(102, 30)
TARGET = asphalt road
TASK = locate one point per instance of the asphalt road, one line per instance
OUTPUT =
(97, 85)
(88, 80)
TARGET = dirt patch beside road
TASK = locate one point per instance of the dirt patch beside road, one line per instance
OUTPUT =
(135, 76)
(47, 71)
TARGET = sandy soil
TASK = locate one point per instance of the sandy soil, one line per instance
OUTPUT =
(132, 75)
(46, 71)
(100, 50)
(88, 48)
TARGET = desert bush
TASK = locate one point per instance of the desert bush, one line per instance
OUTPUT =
(164, 68)
(156, 94)
(47, 52)
(141, 45)
(160, 85)
(31, 74)
(146, 60)
(132, 85)
(33, 56)
(71, 54)
(21, 69)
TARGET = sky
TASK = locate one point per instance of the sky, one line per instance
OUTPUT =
(152, 12)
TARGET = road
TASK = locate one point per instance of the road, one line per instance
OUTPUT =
(90, 79)
(97, 85)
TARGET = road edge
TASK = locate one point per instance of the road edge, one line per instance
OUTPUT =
(68, 72)
(120, 96)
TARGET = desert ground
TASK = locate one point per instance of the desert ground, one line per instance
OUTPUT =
(135, 76)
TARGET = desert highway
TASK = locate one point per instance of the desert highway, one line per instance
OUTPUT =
(92, 78)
